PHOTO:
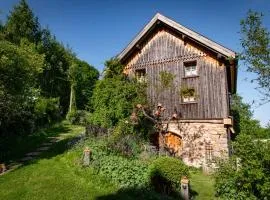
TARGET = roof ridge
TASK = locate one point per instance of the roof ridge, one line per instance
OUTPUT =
(188, 32)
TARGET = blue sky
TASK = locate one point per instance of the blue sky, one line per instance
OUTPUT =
(98, 30)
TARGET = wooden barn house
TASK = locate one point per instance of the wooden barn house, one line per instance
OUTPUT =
(201, 76)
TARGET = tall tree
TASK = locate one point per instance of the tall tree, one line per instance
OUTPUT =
(86, 80)
(22, 23)
(243, 118)
(255, 40)
(19, 69)
(54, 79)
(115, 96)
(113, 67)
(73, 73)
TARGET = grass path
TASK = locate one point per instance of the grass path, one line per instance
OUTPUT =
(203, 185)
(55, 173)
(44, 139)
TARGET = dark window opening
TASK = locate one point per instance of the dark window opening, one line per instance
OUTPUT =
(190, 68)
(140, 75)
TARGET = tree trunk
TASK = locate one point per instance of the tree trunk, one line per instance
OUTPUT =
(72, 100)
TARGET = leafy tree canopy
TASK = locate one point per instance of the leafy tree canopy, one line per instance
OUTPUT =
(86, 79)
(115, 96)
(255, 40)
(19, 69)
(243, 119)
(22, 23)
(113, 67)
(247, 174)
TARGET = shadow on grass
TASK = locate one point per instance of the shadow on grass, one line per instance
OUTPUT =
(15, 147)
(160, 188)
(135, 193)
(141, 193)
(57, 148)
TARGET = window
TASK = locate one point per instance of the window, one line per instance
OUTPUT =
(188, 94)
(208, 152)
(140, 75)
(190, 68)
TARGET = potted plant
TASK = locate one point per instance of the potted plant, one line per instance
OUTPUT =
(187, 94)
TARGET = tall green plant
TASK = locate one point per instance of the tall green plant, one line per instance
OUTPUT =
(86, 81)
(247, 174)
(19, 70)
(113, 67)
(243, 119)
(255, 40)
(22, 23)
(114, 99)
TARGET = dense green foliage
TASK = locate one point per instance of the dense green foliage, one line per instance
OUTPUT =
(159, 174)
(115, 96)
(247, 174)
(85, 81)
(127, 173)
(22, 23)
(255, 40)
(35, 75)
(113, 68)
(166, 174)
(122, 171)
(54, 80)
(19, 69)
(243, 119)
(112, 100)
(47, 110)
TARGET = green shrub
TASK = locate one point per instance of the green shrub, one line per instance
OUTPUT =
(47, 110)
(126, 145)
(125, 172)
(226, 179)
(249, 178)
(114, 99)
(166, 174)
(79, 117)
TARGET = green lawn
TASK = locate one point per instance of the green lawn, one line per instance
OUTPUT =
(54, 178)
(13, 148)
(57, 174)
(203, 185)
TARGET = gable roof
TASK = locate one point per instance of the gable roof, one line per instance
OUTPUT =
(185, 31)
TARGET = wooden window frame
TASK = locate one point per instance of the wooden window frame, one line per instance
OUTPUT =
(190, 64)
(140, 75)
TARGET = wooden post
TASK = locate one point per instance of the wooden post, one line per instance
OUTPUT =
(86, 156)
(185, 188)
(2, 168)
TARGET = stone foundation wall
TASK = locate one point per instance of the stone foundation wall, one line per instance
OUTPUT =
(202, 141)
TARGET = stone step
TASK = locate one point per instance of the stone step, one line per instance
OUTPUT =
(27, 158)
(46, 144)
(54, 140)
(44, 148)
(33, 153)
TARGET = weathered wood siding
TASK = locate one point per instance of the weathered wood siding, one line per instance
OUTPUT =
(165, 51)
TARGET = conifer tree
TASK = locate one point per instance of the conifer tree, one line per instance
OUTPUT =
(22, 23)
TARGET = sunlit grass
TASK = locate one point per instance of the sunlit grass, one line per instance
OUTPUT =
(58, 174)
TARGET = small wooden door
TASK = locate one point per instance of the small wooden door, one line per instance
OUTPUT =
(173, 143)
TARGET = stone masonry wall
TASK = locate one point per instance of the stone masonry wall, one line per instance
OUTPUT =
(202, 141)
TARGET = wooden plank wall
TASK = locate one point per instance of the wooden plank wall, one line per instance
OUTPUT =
(165, 51)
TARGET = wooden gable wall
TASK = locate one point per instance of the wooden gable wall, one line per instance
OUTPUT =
(166, 51)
